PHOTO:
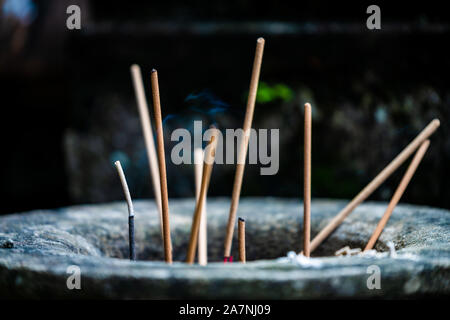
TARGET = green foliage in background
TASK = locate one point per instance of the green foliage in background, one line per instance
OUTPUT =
(267, 93)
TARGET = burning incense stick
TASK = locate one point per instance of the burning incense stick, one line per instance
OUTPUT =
(375, 183)
(148, 137)
(307, 182)
(243, 147)
(398, 193)
(162, 167)
(241, 235)
(126, 191)
(202, 232)
(210, 153)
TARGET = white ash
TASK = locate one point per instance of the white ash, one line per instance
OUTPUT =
(300, 259)
(374, 253)
(347, 251)
(392, 252)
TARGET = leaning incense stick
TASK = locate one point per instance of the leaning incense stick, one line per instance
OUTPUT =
(375, 183)
(210, 153)
(126, 191)
(398, 193)
(148, 137)
(243, 147)
(307, 182)
(162, 167)
(241, 236)
(202, 232)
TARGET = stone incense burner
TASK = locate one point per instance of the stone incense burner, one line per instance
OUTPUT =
(36, 248)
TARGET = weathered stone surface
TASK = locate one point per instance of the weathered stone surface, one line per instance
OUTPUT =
(37, 247)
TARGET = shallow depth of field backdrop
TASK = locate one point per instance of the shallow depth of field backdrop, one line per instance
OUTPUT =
(69, 110)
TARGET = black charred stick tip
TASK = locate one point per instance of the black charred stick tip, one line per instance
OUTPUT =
(131, 237)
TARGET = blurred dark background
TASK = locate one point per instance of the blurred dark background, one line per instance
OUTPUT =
(69, 110)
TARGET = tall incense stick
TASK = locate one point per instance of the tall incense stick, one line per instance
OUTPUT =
(202, 232)
(398, 193)
(148, 137)
(243, 147)
(210, 153)
(241, 236)
(162, 167)
(126, 192)
(307, 182)
(375, 183)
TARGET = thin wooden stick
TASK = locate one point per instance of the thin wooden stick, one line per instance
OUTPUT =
(307, 182)
(375, 183)
(210, 153)
(202, 232)
(126, 192)
(398, 193)
(243, 147)
(241, 236)
(162, 167)
(148, 137)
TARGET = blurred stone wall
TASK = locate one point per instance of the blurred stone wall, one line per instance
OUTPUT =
(371, 95)
(70, 110)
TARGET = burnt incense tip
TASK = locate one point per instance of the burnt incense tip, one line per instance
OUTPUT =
(240, 219)
(117, 163)
(153, 70)
(260, 40)
(307, 105)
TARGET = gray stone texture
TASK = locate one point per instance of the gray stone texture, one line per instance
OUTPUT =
(37, 247)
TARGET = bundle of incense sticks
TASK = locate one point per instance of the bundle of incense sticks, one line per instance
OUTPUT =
(204, 169)
(419, 141)
(158, 168)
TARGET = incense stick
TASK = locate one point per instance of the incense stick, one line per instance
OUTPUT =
(162, 167)
(307, 182)
(243, 147)
(202, 232)
(398, 193)
(375, 183)
(210, 153)
(148, 137)
(126, 192)
(241, 236)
